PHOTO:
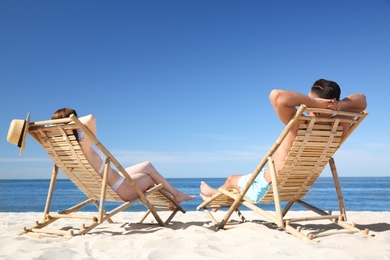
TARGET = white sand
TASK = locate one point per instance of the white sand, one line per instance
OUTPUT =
(191, 236)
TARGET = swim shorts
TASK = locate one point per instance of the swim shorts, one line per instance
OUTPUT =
(258, 188)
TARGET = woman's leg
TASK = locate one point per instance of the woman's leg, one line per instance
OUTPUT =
(126, 191)
(148, 169)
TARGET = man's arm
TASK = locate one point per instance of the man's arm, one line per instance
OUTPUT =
(352, 103)
(285, 102)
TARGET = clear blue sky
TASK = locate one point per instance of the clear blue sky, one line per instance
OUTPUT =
(185, 84)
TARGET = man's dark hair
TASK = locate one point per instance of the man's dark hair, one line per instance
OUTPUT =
(328, 89)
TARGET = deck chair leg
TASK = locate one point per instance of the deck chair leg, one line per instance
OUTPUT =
(278, 211)
(240, 215)
(232, 208)
(109, 220)
(165, 222)
(352, 228)
(154, 213)
(51, 191)
(103, 191)
(297, 233)
(176, 205)
(338, 188)
(144, 216)
(171, 216)
(287, 208)
(162, 201)
(312, 208)
(211, 216)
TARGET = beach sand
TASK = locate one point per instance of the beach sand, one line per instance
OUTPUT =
(192, 236)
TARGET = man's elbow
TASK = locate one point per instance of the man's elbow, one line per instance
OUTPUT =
(363, 102)
(358, 103)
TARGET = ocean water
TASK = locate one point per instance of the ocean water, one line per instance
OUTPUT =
(360, 194)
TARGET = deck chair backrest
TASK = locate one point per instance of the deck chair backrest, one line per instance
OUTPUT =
(317, 140)
(59, 141)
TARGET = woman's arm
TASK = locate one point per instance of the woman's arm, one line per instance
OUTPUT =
(90, 122)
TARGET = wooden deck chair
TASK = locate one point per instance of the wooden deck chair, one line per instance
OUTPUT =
(317, 140)
(58, 139)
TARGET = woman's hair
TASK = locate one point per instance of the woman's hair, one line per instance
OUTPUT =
(323, 88)
(64, 113)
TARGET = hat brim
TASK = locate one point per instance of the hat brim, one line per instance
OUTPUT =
(25, 131)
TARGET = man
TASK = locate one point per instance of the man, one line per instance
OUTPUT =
(323, 94)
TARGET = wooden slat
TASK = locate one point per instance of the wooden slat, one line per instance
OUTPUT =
(65, 151)
(314, 145)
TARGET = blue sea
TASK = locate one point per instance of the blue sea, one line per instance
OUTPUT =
(360, 194)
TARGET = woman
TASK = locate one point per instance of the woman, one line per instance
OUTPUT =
(143, 174)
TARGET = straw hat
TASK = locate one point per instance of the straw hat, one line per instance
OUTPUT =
(17, 132)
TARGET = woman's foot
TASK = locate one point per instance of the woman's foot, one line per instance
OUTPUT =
(182, 197)
(206, 189)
